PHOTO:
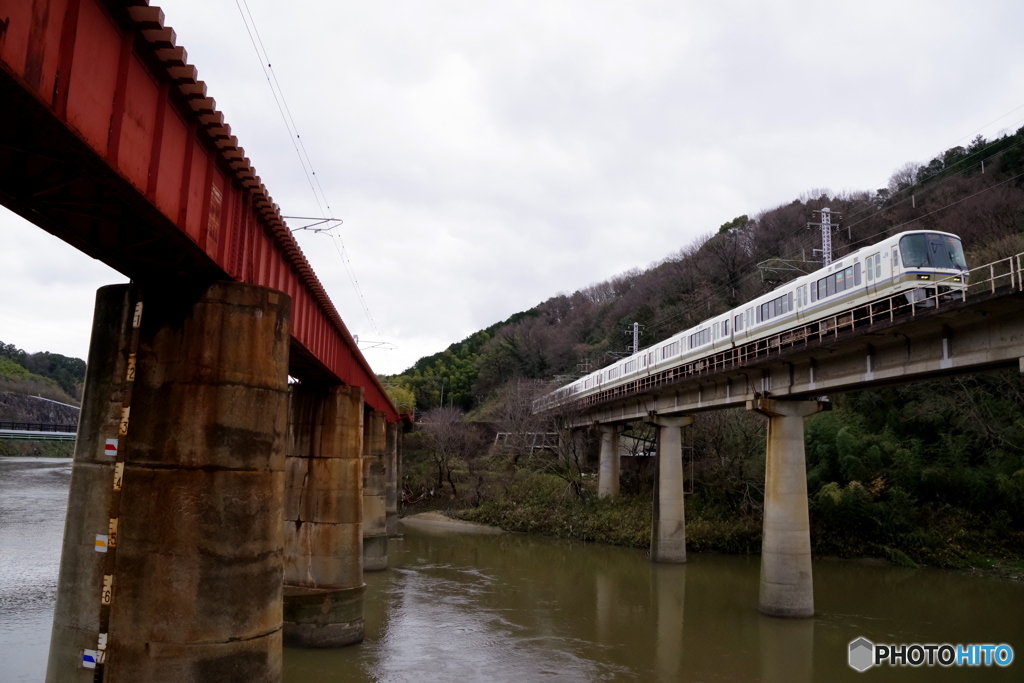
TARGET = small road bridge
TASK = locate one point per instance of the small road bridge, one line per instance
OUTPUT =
(787, 377)
(37, 431)
(201, 479)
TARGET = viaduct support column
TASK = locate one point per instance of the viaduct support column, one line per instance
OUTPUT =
(668, 534)
(391, 478)
(172, 560)
(323, 552)
(787, 587)
(608, 478)
(375, 528)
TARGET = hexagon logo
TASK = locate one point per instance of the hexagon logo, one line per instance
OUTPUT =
(862, 654)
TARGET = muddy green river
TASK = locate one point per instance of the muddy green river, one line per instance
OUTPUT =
(461, 607)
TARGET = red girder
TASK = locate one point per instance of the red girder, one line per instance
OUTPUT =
(111, 143)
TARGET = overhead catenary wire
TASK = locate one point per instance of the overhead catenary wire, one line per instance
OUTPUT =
(964, 160)
(658, 324)
(323, 204)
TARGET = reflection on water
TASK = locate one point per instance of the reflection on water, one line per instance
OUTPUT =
(33, 497)
(518, 608)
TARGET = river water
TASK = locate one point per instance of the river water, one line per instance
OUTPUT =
(458, 607)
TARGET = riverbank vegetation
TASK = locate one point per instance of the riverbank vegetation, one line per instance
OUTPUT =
(930, 473)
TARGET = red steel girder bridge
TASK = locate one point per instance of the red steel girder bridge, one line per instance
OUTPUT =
(109, 141)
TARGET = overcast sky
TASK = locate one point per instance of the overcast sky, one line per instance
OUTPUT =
(487, 155)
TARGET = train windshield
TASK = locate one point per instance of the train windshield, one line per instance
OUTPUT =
(932, 249)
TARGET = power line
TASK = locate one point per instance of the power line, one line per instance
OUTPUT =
(326, 213)
(732, 284)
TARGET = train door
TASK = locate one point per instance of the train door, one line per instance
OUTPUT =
(894, 263)
(873, 272)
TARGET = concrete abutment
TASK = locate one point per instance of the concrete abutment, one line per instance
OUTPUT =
(171, 568)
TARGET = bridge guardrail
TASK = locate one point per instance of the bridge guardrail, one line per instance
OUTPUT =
(39, 427)
(1005, 272)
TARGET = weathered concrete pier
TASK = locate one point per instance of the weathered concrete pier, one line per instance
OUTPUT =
(172, 562)
(323, 568)
(375, 530)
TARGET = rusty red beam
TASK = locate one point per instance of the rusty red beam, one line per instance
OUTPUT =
(118, 149)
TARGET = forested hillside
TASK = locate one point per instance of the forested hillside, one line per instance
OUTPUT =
(976, 192)
(46, 372)
(930, 472)
(26, 379)
(49, 375)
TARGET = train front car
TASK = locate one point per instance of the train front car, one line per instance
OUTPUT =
(931, 263)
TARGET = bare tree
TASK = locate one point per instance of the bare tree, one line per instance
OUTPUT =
(568, 459)
(903, 177)
(516, 418)
(450, 439)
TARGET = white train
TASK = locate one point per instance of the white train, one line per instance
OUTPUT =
(913, 263)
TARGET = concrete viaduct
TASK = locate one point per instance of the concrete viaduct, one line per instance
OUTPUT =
(217, 509)
(786, 378)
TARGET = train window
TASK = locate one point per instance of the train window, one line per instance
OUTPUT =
(895, 259)
(725, 328)
(737, 323)
(870, 264)
(830, 285)
(878, 266)
(840, 281)
(915, 250)
(789, 302)
(856, 274)
(750, 317)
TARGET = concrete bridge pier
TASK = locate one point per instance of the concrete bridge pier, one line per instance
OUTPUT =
(323, 553)
(668, 533)
(172, 559)
(375, 529)
(787, 587)
(608, 477)
(394, 440)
